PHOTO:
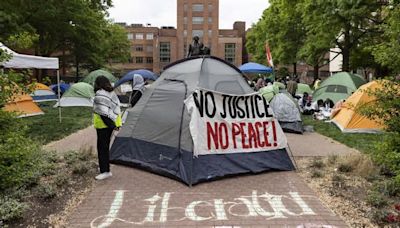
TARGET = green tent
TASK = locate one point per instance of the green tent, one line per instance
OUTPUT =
(269, 92)
(91, 77)
(280, 85)
(338, 87)
(79, 94)
(302, 88)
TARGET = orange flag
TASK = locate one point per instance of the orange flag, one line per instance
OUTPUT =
(269, 56)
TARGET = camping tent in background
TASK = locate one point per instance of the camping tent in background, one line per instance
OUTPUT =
(302, 88)
(128, 77)
(23, 105)
(43, 93)
(338, 87)
(269, 91)
(255, 68)
(287, 113)
(63, 87)
(91, 77)
(79, 94)
(280, 85)
(156, 134)
(350, 121)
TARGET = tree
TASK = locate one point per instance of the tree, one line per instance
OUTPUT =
(281, 27)
(387, 53)
(342, 23)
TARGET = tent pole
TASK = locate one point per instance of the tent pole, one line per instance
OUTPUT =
(59, 94)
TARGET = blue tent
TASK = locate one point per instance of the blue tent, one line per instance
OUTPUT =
(146, 74)
(255, 68)
(63, 87)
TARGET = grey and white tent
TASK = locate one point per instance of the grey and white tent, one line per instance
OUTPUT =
(287, 113)
(156, 133)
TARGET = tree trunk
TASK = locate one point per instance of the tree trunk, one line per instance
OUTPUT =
(64, 59)
(294, 69)
(316, 72)
(346, 50)
(77, 70)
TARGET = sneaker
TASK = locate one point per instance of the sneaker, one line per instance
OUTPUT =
(103, 176)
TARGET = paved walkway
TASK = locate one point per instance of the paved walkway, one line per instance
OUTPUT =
(135, 198)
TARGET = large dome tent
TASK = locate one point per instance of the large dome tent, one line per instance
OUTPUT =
(156, 134)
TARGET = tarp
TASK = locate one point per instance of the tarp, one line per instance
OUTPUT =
(91, 77)
(23, 105)
(287, 113)
(255, 68)
(79, 94)
(43, 93)
(21, 61)
(302, 88)
(156, 134)
(146, 74)
(338, 87)
(349, 121)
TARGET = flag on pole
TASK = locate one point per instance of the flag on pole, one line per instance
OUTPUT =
(269, 56)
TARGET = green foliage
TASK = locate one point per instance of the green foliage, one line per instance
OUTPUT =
(388, 53)
(316, 174)
(376, 199)
(19, 156)
(386, 108)
(46, 191)
(11, 209)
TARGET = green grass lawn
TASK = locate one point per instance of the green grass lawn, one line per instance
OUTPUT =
(359, 141)
(46, 128)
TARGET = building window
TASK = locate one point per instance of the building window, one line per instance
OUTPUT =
(185, 7)
(198, 7)
(139, 59)
(149, 36)
(149, 48)
(210, 33)
(185, 33)
(149, 59)
(165, 52)
(185, 20)
(230, 52)
(197, 20)
(138, 47)
(139, 36)
(210, 7)
(130, 36)
(210, 20)
(198, 33)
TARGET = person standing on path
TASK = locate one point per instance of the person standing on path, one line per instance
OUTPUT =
(137, 89)
(291, 87)
(106, 119)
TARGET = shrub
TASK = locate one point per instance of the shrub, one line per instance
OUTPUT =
(332, 159)
(316, 174)
(11, 209)
(376, 199)
(345, 168)
(46, 191)
(317, 163)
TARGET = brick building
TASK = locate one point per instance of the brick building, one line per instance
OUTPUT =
(153, 48)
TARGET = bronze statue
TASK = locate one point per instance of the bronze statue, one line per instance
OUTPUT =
(197, 48)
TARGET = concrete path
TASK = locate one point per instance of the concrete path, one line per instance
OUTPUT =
(135, 198)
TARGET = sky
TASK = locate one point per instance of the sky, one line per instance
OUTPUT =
(163, 12)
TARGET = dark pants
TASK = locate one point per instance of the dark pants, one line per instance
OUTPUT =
(136, 95)
(103, 148)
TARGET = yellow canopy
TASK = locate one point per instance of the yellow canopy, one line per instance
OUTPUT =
(350, 121)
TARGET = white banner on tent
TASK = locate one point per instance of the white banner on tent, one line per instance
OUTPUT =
(224, 123)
